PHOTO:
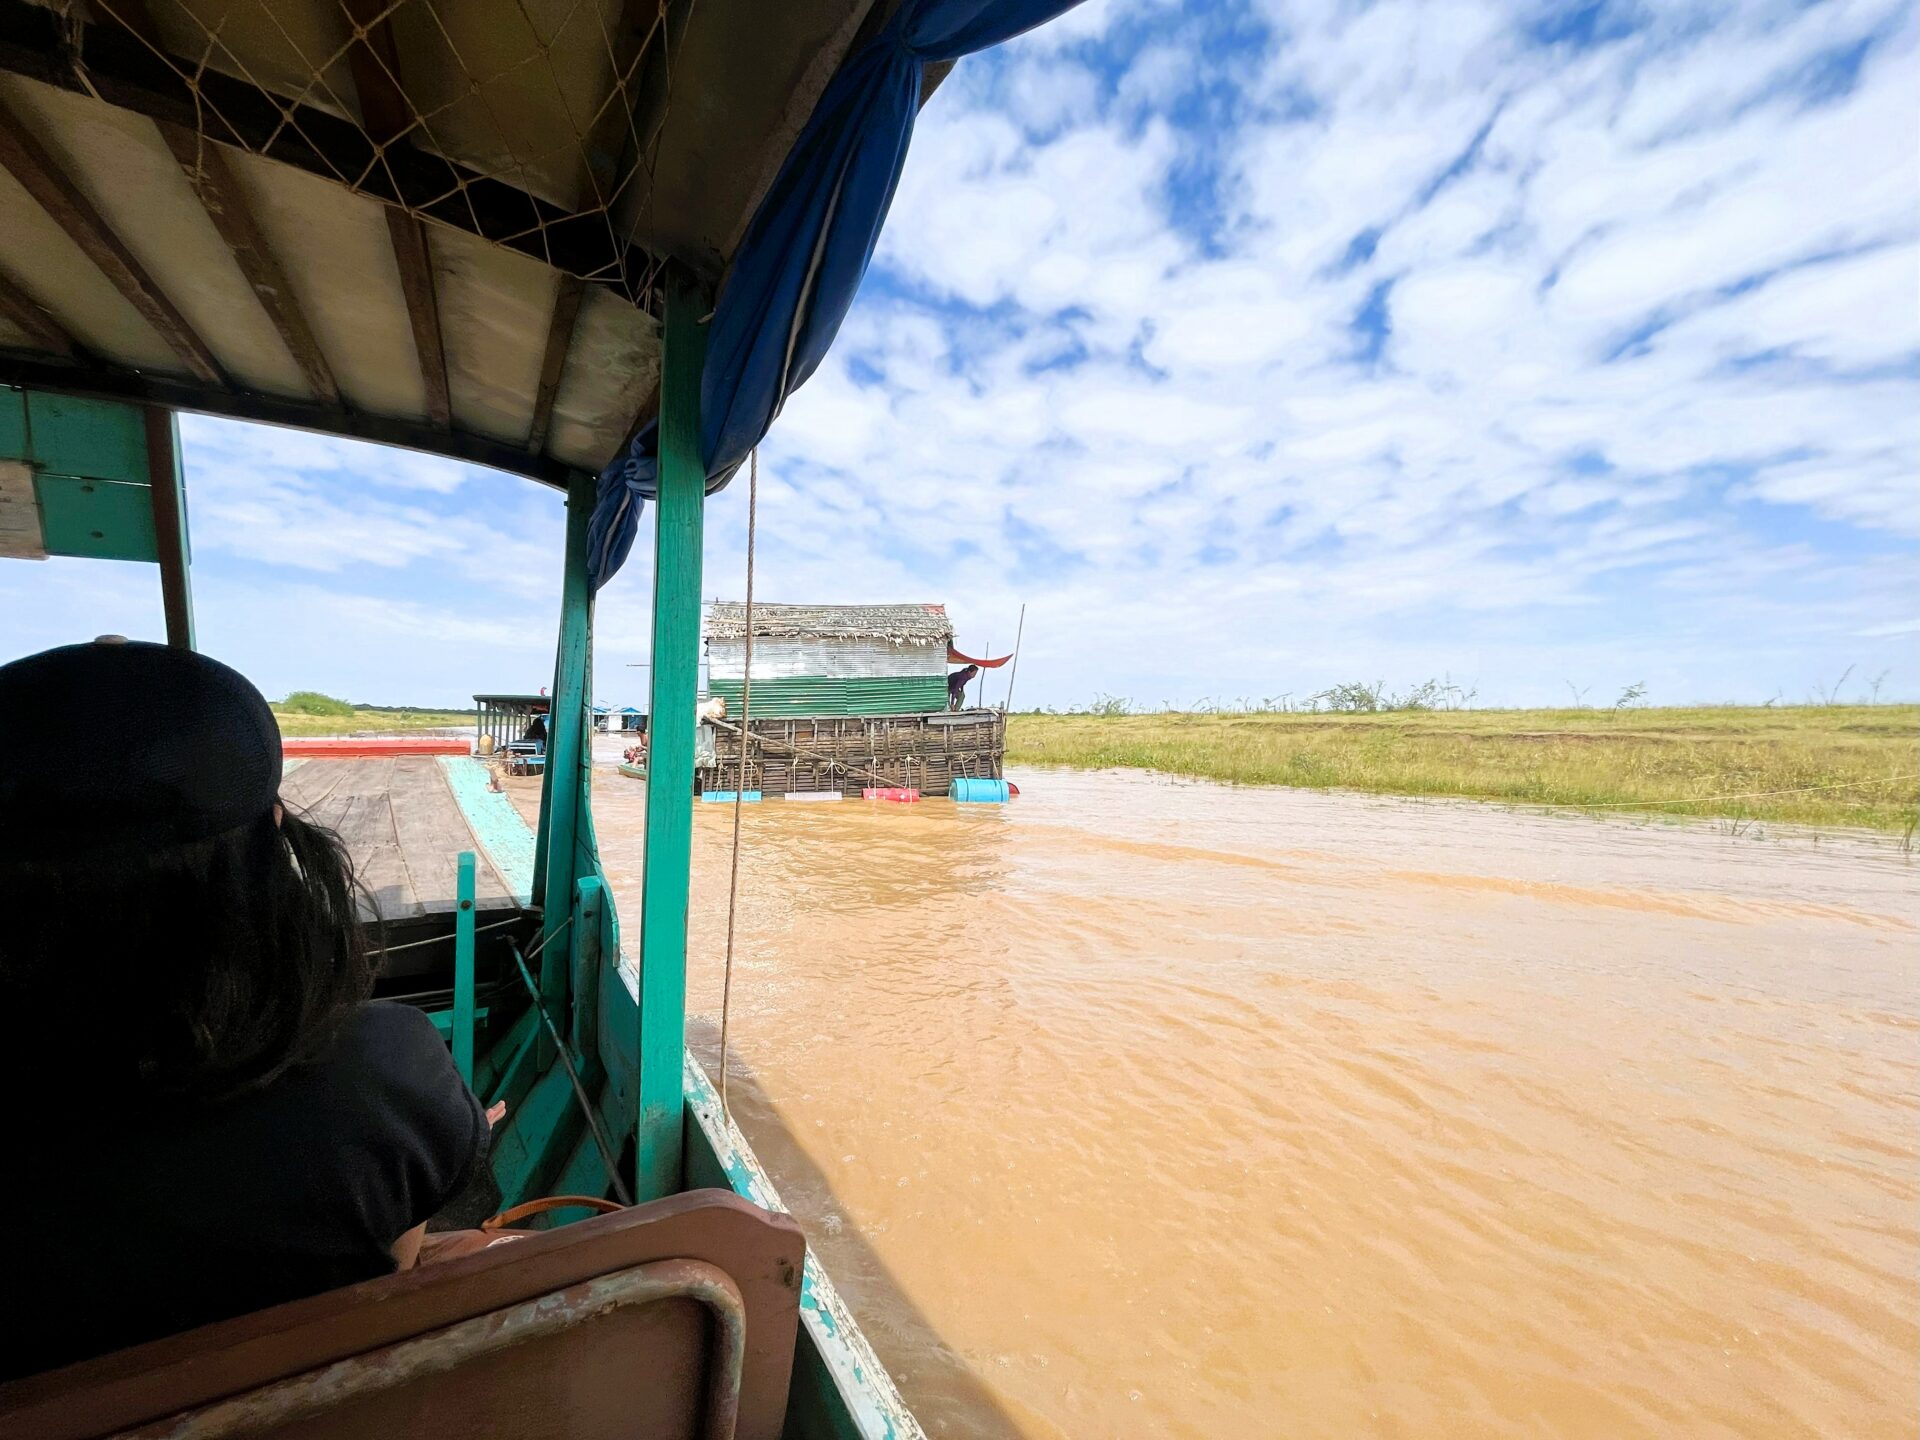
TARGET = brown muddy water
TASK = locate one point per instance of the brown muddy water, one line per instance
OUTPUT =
(1151, 1108)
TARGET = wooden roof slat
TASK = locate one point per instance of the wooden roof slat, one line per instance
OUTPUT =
(374, 61)
(111, 63)
(35, 319)
(44, 179)
(610, 150)
(226, 205)
(553, 360)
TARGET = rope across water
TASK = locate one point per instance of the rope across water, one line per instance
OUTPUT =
(740, 779)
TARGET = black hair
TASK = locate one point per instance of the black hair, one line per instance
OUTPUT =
(186, 973)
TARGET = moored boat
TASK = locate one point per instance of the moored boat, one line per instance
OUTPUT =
(596, 248)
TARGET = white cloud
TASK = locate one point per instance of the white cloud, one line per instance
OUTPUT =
(1637, 399)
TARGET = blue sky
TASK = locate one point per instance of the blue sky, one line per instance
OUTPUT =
(1257, 348)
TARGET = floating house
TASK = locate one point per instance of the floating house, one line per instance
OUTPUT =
(845, 698)
(501, 720)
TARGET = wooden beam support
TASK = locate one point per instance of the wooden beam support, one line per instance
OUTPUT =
(169, 501)
(415, 259)
(48, 183)
(108, 61)
(610, 151)
(553, 360)
(374, 61)
(226, 205)
(105, 382)
(678, 527)
(29, 315)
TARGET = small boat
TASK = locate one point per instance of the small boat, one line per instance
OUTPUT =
(539, 239)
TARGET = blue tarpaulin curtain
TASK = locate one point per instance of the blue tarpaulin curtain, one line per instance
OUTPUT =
(796, 272)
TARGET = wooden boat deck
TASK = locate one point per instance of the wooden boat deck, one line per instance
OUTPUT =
(403, 826)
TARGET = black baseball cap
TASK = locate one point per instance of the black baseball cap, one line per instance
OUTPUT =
(123, 745)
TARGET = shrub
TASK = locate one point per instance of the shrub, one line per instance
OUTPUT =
(312, 702)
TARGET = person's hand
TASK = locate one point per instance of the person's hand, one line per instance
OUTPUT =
(496, 1113)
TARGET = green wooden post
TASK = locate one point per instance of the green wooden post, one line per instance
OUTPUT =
(463, 933)
(567, 770)
(168, 498)
(676, 678)
(589, 899)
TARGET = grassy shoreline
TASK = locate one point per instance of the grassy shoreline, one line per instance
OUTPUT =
(1634, 760)
(366, 720)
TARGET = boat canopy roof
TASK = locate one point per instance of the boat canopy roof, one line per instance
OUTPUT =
(440, 226)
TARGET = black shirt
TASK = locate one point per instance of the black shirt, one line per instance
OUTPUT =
(120, 1232)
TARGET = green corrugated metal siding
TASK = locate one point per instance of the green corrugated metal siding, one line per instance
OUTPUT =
(838, 695)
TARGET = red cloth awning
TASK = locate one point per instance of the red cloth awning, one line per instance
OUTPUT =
(954, 657)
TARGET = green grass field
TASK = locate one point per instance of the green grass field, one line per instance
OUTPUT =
(366, 718)
(1856, 763)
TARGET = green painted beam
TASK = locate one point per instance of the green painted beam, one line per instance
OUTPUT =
(590, 899)
(443, 1022)
(492, 1066)
(532, 1142)
(568, 767)
(95, 519)
(463, 965)
(98, 439)
(678, 527)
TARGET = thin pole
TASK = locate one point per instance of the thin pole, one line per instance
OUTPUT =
(167, 496)
(1014, 674)
(980, 690)
(740, 779)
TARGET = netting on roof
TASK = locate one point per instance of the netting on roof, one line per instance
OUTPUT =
(534, 126)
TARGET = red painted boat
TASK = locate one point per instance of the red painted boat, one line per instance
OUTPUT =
(361, 747)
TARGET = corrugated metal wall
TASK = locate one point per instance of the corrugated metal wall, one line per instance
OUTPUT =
(778, 659)
(835, 694)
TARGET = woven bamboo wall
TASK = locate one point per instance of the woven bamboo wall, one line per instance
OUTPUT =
(849, 753)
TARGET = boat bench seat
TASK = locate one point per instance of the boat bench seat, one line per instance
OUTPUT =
(672, 1319)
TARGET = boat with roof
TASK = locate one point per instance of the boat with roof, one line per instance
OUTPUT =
(594, 245)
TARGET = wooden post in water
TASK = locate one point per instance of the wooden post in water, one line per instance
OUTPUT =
(678, 518)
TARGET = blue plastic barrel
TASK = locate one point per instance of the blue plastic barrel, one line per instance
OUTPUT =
(725, 797)
(978, 792)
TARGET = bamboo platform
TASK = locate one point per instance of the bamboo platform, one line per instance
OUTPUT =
(850, 753)
(404, 828)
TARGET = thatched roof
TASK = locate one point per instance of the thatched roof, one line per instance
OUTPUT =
(903, 624)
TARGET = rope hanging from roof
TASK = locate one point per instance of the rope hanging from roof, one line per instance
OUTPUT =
(807, 249)
(740, 779)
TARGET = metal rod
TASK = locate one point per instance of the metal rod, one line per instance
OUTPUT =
(573, 1078)
(442, 939)
(1014, 674)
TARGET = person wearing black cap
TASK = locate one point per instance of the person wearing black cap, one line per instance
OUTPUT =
(207, 1114)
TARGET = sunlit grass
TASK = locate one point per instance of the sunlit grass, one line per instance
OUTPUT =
(366, 720)
(1856, 762)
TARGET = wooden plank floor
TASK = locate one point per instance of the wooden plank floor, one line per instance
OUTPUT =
(400, 823)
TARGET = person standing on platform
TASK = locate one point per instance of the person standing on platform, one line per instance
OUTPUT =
(957, 686)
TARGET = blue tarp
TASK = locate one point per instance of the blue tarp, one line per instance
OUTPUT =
(796, 272)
